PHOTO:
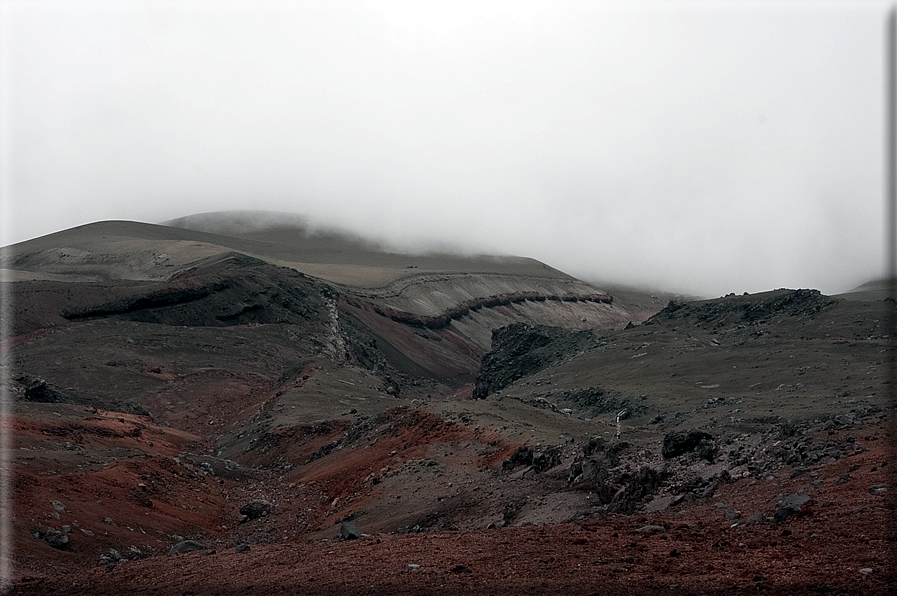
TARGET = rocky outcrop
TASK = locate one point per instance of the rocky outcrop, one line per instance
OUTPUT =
(677, 443)
(230, 290)
(442, 320)
(745, 309)
(521, 349)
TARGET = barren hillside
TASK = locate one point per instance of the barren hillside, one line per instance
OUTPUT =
(312, 413)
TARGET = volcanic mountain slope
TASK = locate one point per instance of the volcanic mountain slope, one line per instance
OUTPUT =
(236, 400)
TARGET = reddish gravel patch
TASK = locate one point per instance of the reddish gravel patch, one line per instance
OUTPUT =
(837, 544)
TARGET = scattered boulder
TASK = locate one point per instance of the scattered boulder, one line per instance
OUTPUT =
(651, 529)
(596, 443)
(522, 457)
(37, 390)
(113, 557)
(55, 538)
(547, 459)
(256, 509)
(677, 443)
(790, 506)
(349, 531)
(186, 546)
(242, 548)
(540, 459)
(879, 489)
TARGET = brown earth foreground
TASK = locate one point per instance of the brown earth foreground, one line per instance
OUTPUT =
(837, 544)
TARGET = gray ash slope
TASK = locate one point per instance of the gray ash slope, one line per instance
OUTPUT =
(702, 393)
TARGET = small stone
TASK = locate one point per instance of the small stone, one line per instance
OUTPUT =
(242, 548)
(879, 489)
(413, 566)
(651, 529)
(185, 546)
(67, 529)
(866, 570)
(58, 506)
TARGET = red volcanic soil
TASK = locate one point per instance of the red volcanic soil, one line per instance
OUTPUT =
(727, 544)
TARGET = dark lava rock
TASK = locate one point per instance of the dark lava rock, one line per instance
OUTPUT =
(676, 443)
(522, 457)
(790, 506)
(185, 546)
(799, 471)
(595, 444)
(256, 509)
(540, 460)
(349, 531)
(37, 390)
(520, 349)
(752, 309)
(55, 538)
(242, 548)
(547, 459)
(879, 489)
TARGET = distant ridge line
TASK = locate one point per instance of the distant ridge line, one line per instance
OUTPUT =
(441, 321)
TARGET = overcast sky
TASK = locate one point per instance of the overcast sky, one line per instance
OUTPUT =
(710, 147)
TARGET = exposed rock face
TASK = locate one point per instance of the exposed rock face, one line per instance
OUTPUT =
(746, 309)
(232, 290)
(521, 349)
(541, 459)
(37, 390)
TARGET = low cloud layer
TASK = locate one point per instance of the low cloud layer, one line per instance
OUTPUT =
(696, 146)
